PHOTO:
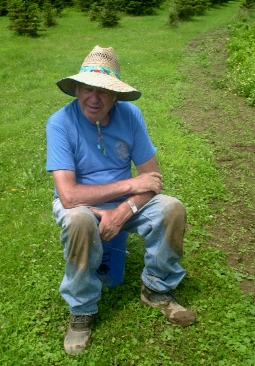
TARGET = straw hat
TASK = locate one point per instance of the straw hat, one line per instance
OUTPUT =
(100, 69)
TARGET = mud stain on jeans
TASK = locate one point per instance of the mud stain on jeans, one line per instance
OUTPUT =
(81, 237)
(175, 220)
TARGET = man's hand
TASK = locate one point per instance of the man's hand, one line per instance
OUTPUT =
(146, 182)
(111, 221)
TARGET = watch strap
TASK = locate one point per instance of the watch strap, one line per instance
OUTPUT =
(132, 206)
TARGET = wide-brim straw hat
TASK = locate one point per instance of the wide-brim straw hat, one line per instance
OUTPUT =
(100, 69)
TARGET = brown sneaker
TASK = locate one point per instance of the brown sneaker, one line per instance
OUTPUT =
(175, 313)
(78, 334)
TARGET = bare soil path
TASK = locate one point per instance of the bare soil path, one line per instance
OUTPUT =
(228, 125)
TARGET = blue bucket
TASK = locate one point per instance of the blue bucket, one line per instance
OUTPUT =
(112, 269)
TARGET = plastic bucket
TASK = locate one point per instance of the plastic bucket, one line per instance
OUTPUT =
(112, 269)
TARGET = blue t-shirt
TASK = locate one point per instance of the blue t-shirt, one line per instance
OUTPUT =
(72, 144)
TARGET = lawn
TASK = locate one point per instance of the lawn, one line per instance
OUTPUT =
(33, 317)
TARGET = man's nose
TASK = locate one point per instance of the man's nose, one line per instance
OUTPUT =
(94, 95)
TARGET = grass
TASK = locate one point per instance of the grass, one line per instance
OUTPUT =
(33, 317)
(241, 73)
(215, 112)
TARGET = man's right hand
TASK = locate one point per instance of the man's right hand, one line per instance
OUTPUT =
(147, 182)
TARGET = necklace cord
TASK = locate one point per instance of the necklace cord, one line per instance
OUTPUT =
(100, 139)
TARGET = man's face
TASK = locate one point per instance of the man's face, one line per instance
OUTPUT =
(95, 103)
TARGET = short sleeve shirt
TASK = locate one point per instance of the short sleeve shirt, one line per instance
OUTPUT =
(72, 144)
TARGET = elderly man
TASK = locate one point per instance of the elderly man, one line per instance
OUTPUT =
(90, 145)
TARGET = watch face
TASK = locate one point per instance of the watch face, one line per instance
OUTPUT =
(132, 206)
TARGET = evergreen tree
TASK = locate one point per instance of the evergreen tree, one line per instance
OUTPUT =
(25, 17)
(84, 5)
(108, 16)
(134, 7)
(185, 9)
(49, 14)
(105, 12)
(141, 7)
(3, 7)
(95, 10)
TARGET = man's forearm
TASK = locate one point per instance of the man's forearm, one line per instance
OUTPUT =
(98, 194)
(93, 195)
(141, 199)
(72, 194)
(124, 210)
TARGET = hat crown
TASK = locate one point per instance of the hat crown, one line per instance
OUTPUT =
(104, 57)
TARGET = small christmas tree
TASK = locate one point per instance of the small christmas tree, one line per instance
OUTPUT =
(109, 16)
(3, 7)
(25, 17)
(105, 12)
(49, 14)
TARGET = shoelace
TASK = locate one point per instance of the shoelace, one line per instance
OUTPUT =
(82, 320)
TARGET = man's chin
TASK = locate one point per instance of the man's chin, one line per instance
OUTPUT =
(93, 118)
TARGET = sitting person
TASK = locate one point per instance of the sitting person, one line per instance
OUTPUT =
(90, 145)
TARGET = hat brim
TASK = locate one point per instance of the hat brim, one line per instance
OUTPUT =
(125, 91)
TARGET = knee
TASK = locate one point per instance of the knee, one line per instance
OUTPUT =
(79, 219)
(79, 235)
(172, 208)
(179, 209)
(79, 227)
(174, 220)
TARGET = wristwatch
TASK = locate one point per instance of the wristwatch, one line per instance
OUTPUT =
(132, 206)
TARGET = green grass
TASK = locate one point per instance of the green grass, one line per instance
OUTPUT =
(33, 317)
(240, 46)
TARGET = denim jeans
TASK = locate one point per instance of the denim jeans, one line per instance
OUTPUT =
(161, 222)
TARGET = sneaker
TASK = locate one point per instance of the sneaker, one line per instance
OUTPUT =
(78, 334)
(175, 313)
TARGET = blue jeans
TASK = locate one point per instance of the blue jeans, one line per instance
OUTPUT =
(161, 221)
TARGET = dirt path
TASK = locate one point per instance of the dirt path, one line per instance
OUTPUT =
(229, 126)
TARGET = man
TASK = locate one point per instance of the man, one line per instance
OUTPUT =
(91, 143)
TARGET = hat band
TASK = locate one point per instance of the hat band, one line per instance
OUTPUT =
(101, 70)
